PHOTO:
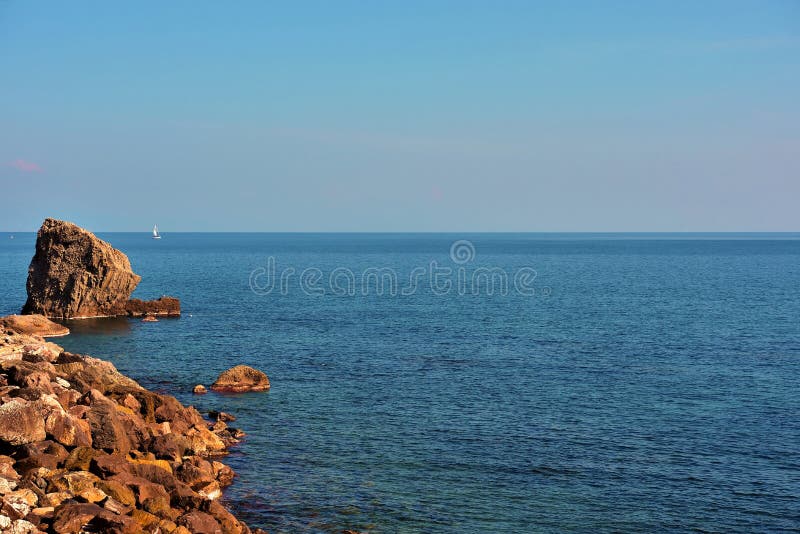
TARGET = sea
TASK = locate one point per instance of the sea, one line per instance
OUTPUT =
(502, 383)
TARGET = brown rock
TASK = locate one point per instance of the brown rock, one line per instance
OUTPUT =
(143, 489)
(43, 512)
(113, 505)
(200, 523)
(241, 378)
(223, 473)
(50, 449)
(118, 491)
(35, 325)
(149, 319)
(80, 458)
(202, 441)
(107, 465)
(40, 454)
(71, 518)
(211, 491)
(146, 521)
(91, 494)
(196, 472)
(167, 526)
(229, 524)
(87, 373)
(164, 307)
(21, 500)
(55, 498)
(7, 486)
(20, 422)
(73, 482)
(108, 431)
(184, 497)
(74, 274)
(69, 430)
(129, 401)
(199, 389)
(21, 526)
(169, 446)
(221, 416)
(161, 464)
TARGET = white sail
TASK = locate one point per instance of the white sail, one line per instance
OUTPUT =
(155, 232)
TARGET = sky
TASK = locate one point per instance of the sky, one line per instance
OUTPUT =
(401, 116)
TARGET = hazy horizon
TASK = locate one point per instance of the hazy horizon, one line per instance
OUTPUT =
(413, 117)
(446, 232)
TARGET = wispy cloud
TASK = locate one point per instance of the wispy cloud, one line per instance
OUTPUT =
(757, 43)
(25, 166)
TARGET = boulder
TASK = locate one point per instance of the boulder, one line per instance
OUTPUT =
(200, 523)
(33, 325)
(20, 423)
(69, 430)
(89, 517)
(241, 378)
(107, 428)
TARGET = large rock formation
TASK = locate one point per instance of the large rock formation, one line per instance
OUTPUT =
(74, 274)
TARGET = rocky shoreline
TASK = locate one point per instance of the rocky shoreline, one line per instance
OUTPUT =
(84, 448)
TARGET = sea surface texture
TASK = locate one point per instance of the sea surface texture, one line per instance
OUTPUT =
(650, 383)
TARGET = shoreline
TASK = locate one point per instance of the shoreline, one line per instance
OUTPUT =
(84, 446)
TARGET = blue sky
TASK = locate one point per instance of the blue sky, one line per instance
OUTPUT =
(401, 116)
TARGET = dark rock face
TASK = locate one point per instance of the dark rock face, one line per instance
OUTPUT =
(241, 378)
(74, 274)
(164, 306)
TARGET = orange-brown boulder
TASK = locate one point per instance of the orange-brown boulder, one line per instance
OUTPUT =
(240, 379)
(33, 325)
(20, 423)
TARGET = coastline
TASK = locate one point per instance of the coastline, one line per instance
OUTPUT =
(85, 447)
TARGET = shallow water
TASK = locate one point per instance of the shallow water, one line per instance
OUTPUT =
(652, 382)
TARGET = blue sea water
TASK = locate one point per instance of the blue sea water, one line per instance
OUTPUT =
(650, 384)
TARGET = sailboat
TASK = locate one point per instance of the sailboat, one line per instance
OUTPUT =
(155, 232)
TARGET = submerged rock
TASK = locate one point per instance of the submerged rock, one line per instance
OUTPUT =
(199, 389)
(240, 379)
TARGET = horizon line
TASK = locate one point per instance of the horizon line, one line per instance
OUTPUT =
(430, 232)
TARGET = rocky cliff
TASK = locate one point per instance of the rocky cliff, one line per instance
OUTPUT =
(74, 274)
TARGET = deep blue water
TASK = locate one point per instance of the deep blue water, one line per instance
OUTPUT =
(651, 383)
